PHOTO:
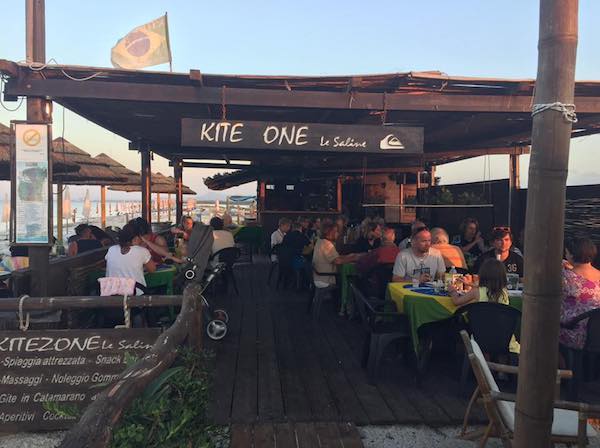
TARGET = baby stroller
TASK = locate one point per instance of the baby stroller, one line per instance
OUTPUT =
(199, 250)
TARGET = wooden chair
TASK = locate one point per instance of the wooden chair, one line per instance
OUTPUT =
(570, 419)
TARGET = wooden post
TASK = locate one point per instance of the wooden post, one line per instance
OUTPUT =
(59, 214)
(339, 194)
(146, 183)
(40, 110)
(544, 226)
(178, 175)
(103, 206)
(513, 192)
(157, 207)
(169, 207)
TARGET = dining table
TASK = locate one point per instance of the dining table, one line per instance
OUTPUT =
(424, 305)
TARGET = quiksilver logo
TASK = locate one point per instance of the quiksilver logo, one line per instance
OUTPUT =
(390, 141)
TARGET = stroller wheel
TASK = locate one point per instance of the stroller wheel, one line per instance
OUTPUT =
(190, 274)
(216, 329)
(221, 315)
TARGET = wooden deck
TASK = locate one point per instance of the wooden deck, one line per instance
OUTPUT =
(277, 366)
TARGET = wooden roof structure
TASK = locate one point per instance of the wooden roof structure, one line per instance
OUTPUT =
(60, 166)
(462, 117)
(160, 184)
(91, 171)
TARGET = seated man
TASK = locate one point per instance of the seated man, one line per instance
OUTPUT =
(279, 233)
(452, 255)
(370, 241)
(502, 250)
(222, 239)
(325, 256)
(384, 254)
(406, 242)
(420, 260)
(85, 242)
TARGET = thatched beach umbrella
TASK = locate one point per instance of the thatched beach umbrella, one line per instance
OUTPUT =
(91, 171)
(160, 184)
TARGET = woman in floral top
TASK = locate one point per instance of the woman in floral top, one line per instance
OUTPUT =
(581, 286)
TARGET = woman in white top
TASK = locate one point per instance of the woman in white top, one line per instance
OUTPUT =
(128, 259)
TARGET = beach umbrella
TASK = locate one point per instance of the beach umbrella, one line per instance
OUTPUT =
(87, 205)
(66, 205)
(191, 204)
(6, 211)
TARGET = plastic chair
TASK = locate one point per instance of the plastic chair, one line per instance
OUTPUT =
(321, 294)
(492, 325)
(229, 256)
(382, 329)
(374, 283)
(574, 357)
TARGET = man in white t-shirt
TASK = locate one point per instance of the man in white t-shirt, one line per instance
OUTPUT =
(222, 239)
(420, 260)
(279, 233)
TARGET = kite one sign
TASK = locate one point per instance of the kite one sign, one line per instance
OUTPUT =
(392, 140)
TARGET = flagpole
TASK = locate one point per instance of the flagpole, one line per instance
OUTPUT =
(168, 42)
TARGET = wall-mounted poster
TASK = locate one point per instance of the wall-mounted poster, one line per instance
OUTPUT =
(30, 186)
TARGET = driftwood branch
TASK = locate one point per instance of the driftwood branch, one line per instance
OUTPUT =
(95, 427)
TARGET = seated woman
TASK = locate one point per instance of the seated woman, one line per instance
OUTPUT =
(492, 288)
(86, 242)
(156, 244)
(470, 240)
(222, 239)
(581, 286)
(452, 255)
(129, 259)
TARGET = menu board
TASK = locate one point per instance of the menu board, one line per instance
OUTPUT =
(30, 184)
(45, 370)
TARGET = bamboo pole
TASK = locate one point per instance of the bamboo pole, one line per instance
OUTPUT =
(545, 224)
(103, 206)
(59, 214)
(169, 208)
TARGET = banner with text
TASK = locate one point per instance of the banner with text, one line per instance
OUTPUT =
(30, 184)
(43, 374)
(392, 140)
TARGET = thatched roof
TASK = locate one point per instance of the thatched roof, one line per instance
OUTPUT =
(59, 167)
(160, 184)
(131, 177)
(91, 171)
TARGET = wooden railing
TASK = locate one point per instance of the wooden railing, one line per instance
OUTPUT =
(95, 427)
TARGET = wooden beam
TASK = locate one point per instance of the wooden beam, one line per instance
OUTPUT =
(178, 175)
(230, 166)
(103, 206)
(190, 94)
(146, 184)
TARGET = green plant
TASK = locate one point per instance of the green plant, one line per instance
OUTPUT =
(172, 410)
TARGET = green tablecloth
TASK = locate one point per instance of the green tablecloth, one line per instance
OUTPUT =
(422, 309)
(346, 271)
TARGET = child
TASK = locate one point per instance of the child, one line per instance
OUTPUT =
(492, 286)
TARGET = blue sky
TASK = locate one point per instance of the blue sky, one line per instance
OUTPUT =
(468, 37)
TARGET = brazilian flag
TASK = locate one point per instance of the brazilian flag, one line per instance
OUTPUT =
(144, 46)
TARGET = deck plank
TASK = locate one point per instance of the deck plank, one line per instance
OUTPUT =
(226, 351)
(306, 436)
(264, 435)
(284, 436)
(241, 436)
(244, 408)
